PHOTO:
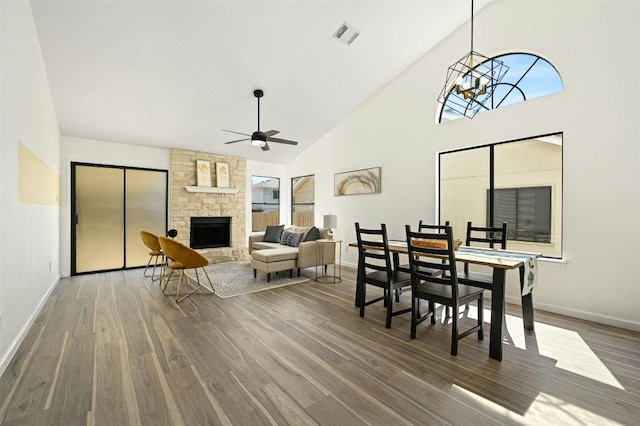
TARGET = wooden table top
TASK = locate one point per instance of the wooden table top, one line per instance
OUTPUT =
(495, 258)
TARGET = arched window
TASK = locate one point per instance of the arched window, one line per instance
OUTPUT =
(529, 77)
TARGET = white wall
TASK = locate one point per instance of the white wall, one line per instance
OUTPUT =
(98, 152)
(27, 116)
(396, 129)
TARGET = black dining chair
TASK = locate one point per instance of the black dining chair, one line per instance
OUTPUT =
(375, 268)
(423, 227)
(442, 288)
(493, 237)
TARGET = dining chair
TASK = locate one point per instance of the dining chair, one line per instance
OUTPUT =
(494, 237)
(375, 268)
(156, 255)
(183, 258)
(422, 227)
(442, 288)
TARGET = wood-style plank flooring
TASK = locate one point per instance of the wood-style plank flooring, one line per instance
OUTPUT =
(109, 348)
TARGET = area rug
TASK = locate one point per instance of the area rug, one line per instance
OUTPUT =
(235, 278)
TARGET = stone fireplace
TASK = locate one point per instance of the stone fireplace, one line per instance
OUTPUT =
(209, 204)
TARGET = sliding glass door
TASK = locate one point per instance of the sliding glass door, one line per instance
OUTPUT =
(110, 206)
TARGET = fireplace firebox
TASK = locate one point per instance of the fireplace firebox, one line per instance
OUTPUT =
(210, 232)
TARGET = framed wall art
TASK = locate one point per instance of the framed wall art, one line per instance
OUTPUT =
(203, 173)
(222, 175)
(355, 182)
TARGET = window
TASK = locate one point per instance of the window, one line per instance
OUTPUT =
(529, 76)
(528, 210)
(265, 202)
(302, 201)
(518, 182)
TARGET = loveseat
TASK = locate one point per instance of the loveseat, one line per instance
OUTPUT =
(305, 250)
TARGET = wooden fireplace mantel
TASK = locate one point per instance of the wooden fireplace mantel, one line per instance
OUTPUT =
(211, 189)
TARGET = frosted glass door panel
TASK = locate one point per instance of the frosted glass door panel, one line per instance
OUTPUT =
(99, 210)
(146, 201)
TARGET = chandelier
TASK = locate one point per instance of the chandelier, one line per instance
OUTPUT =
(471, 81)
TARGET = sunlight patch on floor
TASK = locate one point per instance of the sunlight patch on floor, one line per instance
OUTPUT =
(553, 411)
(500, 413)
(569, 350)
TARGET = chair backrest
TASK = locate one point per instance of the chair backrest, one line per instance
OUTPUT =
(489, 235)
(429, 251)
(424, 226)
(377, 256)
(177, 251)
(150, 240)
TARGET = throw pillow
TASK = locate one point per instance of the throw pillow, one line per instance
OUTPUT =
(291, 238)
(297, 229)
(313, 234)
(273, 234)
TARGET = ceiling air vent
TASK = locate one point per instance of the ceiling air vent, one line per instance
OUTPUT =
(347, 33)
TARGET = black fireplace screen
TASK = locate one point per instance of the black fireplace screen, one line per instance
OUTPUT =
(210, 232)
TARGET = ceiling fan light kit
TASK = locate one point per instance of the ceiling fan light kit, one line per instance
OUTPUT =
(260, 139)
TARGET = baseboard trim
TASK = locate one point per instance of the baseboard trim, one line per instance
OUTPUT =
(580, 314)
(15, 344)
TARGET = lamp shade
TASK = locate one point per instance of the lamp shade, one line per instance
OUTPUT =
(330, 221)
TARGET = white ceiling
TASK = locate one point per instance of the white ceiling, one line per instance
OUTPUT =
(173, 73)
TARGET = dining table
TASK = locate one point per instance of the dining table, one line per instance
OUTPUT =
(500, 261)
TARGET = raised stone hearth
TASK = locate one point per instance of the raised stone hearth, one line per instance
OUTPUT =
(227, 202)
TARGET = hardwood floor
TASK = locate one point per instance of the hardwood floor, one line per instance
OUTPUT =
(110, 349)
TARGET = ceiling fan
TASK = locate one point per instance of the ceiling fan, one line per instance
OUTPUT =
(259, 138)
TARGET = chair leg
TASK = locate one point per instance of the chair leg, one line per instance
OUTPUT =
(432, 309)
(454, 334)
(364, 299)
(213, 290)
(389, 309)
(144, 273)
(480, 318)
(164, 288)
(415, 314)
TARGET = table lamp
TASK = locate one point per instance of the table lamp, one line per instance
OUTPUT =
(330, 221)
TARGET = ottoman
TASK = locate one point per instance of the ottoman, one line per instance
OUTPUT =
(274, 260)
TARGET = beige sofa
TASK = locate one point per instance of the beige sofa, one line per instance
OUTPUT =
(306, 254)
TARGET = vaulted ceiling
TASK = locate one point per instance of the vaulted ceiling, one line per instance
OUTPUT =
(173, 73)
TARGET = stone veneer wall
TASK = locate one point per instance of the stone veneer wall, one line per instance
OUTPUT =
(184, 205)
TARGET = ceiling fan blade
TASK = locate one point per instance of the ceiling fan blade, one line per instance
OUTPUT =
(237, 133)
(282, 141)
(238, 140)
(265, 147)
(271, 133)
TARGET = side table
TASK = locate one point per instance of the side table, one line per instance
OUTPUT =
(323, 277)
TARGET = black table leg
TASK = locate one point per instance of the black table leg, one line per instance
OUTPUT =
(527, 304)
(497, 314)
